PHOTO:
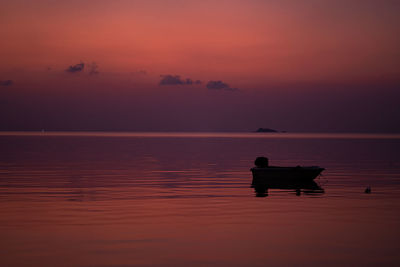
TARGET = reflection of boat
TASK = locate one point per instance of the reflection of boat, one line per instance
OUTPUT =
(306, 187)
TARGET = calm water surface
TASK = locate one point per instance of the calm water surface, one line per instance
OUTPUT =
(100, 199)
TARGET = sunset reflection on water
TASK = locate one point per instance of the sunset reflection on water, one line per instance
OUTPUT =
(87, 200)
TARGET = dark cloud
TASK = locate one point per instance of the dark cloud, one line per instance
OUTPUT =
(6, 83)
(219, 85)
(171, 80)
(177, 80)
(93, 68)
(76, 68)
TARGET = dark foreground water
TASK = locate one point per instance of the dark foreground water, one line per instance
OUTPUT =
(185, 200)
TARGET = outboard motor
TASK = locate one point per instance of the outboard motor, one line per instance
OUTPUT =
(261, 162)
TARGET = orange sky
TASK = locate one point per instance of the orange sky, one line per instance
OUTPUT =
(286, 46)
(278, 40)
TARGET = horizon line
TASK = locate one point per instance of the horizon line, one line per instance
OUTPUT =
(203, 134)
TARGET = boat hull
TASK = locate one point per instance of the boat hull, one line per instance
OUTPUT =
(278, 175)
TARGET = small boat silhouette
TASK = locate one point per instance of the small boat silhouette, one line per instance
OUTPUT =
(299, 179)
(274, 174)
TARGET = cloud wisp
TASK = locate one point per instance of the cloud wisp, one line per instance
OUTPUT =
(6, 83)
(93, 68)
(220, 85)
(142, 72)
(76, 68)
(176, 80)
(190, 81)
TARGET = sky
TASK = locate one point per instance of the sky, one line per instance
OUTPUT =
(189, 65)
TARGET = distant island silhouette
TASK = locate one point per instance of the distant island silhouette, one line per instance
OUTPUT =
(266, 130)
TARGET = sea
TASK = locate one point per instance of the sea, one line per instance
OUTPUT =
(101, 199)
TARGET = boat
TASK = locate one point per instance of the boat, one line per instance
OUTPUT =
(263, 173)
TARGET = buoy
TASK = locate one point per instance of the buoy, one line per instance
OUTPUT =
(368, 190)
